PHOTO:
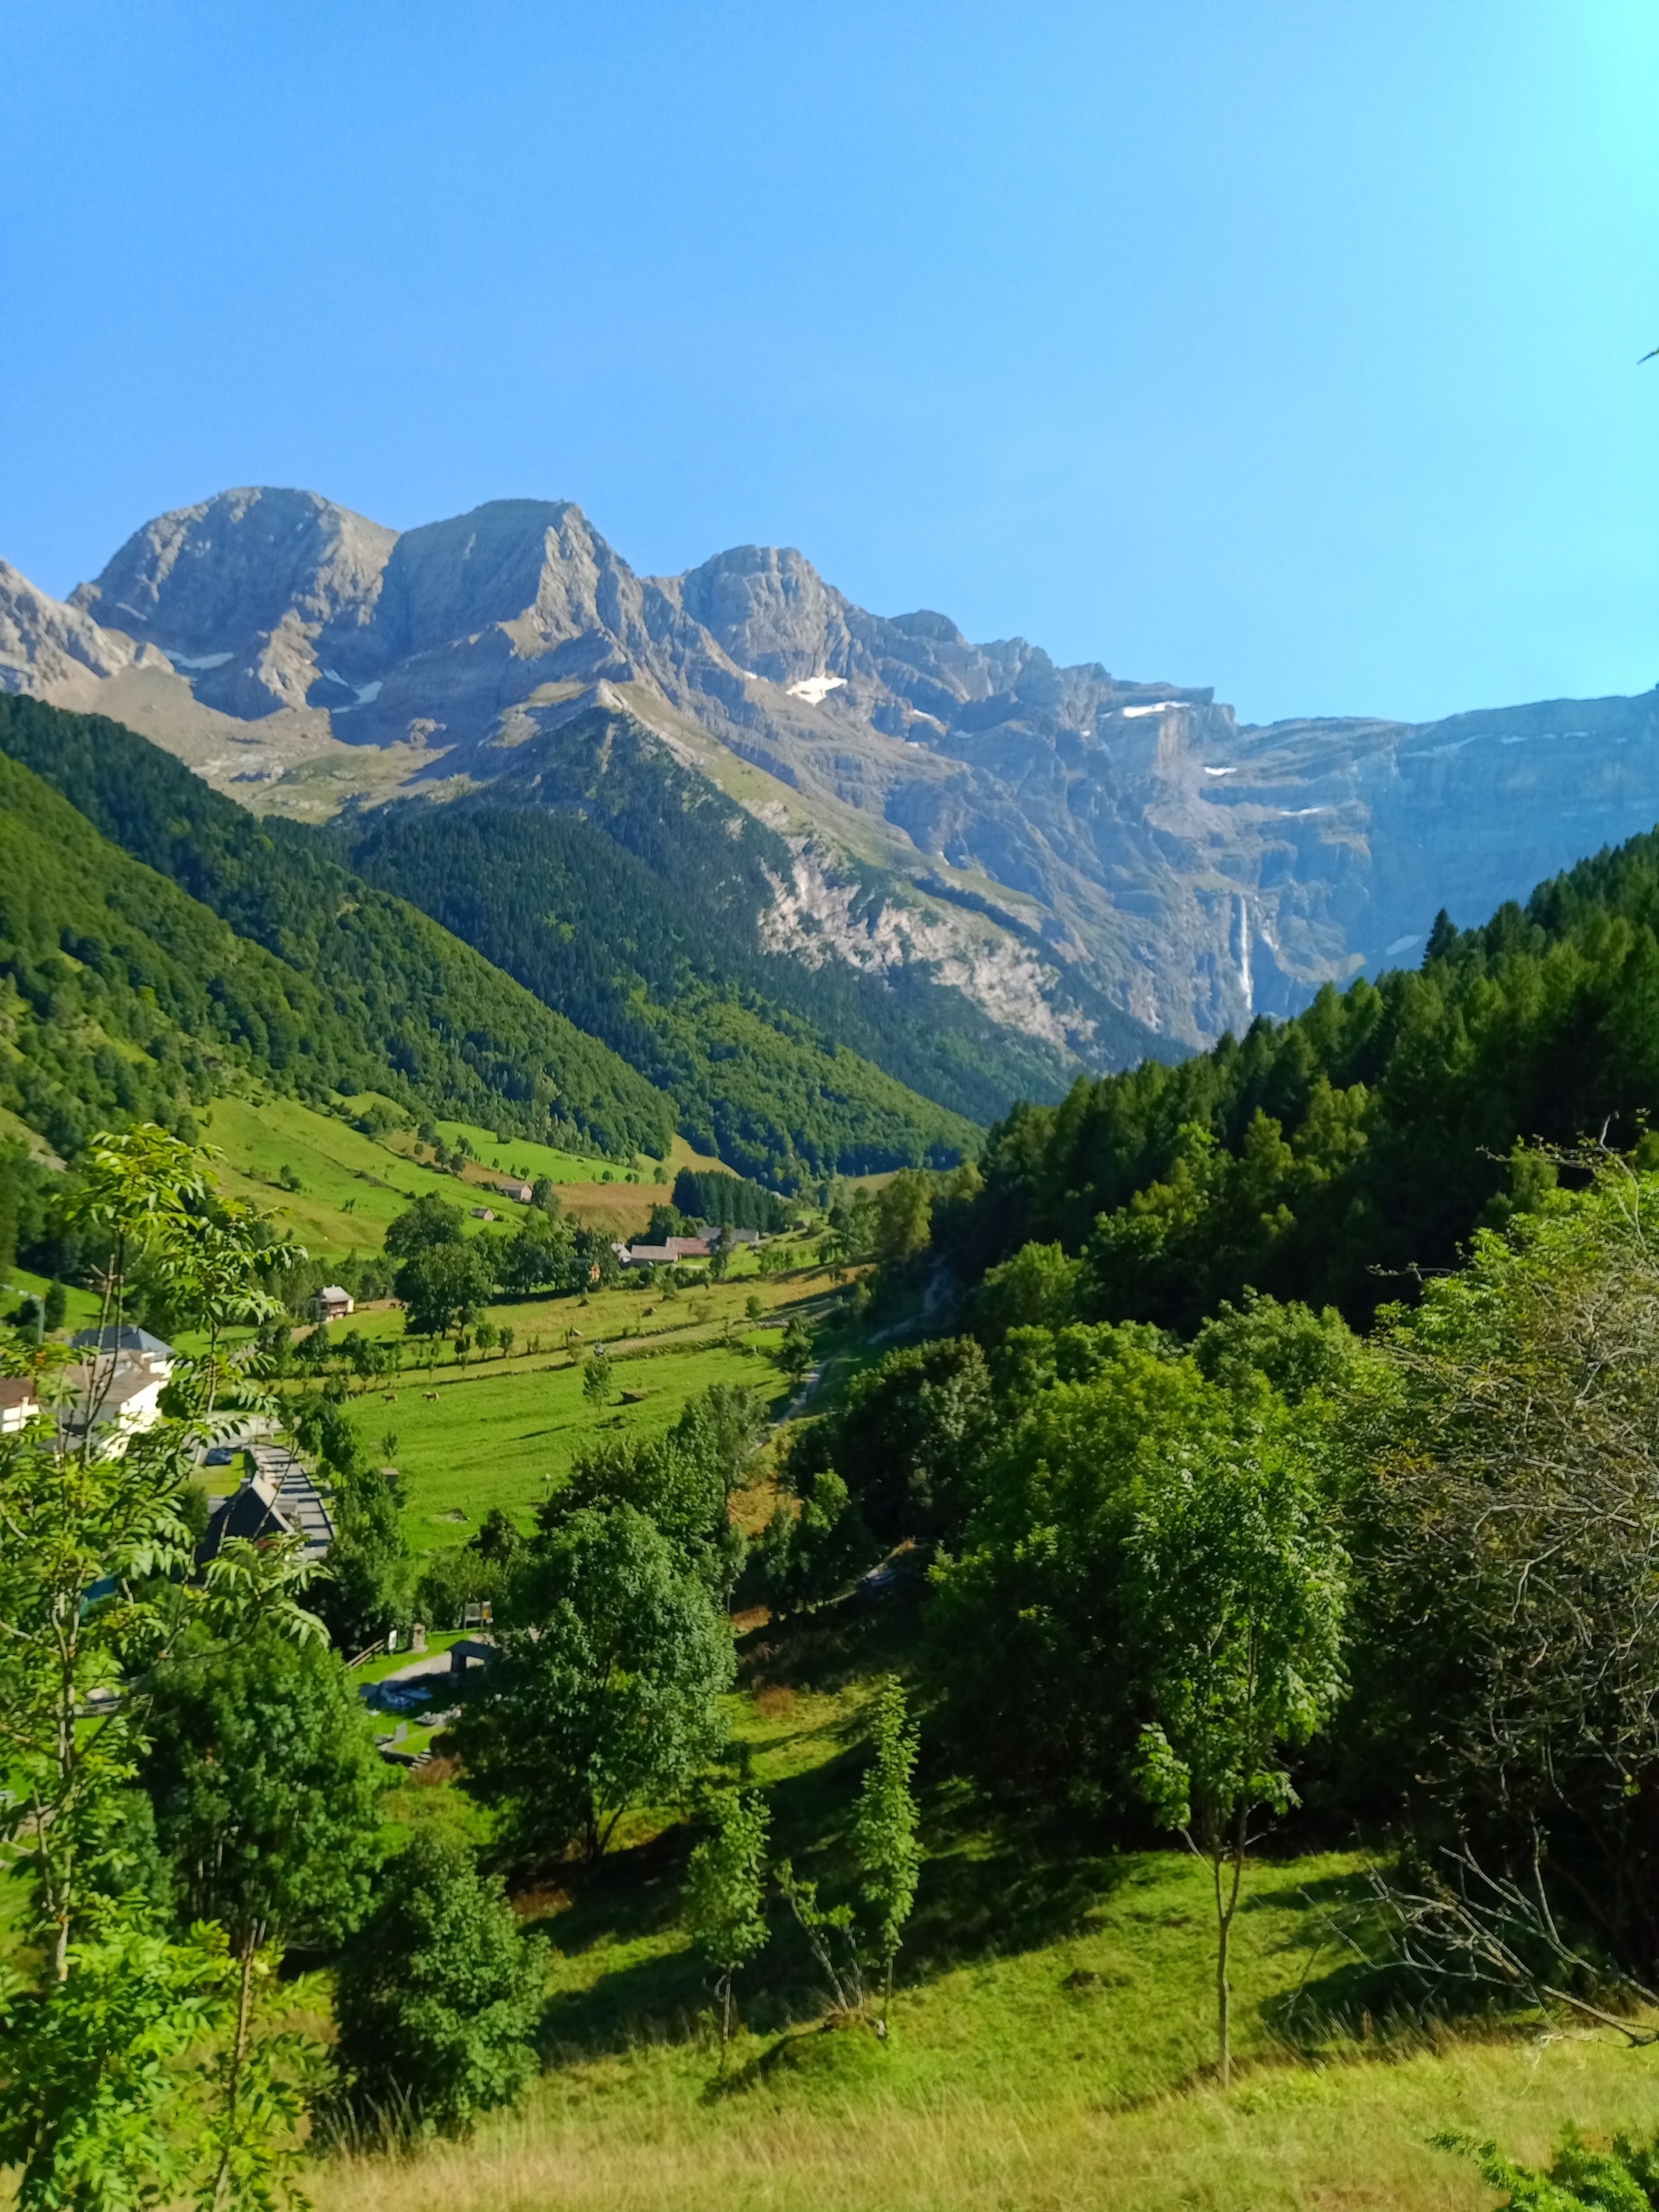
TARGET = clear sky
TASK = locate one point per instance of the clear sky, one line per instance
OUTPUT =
(1284, 345)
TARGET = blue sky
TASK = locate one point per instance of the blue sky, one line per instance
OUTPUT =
(1284, 345)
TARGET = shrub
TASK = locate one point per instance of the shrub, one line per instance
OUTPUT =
(438, 2000)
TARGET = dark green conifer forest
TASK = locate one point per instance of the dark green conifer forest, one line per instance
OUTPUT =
(1329, 1157)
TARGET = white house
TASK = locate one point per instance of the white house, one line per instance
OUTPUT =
(19, 1405)
(118, 1390)
(333, 1303)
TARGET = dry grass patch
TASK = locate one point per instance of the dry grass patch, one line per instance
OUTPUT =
(1345, 2138)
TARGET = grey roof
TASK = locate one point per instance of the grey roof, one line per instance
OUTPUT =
(279, 1499)
(126, 1339)
(298, 1496)
(250, 1513)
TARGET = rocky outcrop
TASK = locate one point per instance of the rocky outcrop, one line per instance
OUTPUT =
(818, 916)
(1119, 845)
(56, 652)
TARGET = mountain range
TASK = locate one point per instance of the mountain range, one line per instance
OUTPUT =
(1060, 869)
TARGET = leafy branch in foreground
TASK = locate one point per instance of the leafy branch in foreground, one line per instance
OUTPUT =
(94, 2069)
(94, 1551)
(97, 2107)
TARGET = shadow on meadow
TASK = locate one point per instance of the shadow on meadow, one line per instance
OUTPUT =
(990, 1886)
(985, 1892)
(1355, 1992)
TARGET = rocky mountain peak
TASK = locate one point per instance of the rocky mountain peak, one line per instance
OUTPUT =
(769, 610)
(1189, 872)
(238, 563)
(48, 647)
(511, 559)
(237, 589)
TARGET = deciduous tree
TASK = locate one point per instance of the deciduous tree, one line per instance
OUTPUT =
(597, 1378)
(605, 1689)
(438, 1998)
(1236, 1593)
(725, 1893)
(885, 1840)
(266, 1791)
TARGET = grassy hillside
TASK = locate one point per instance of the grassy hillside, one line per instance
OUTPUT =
(632, 2135)
(1052, 2037)
(81, 1307)
(409, 1011)
(353, 1185)
(378, 996)
(503, 1433)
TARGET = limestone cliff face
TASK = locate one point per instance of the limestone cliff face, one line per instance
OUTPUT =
(819, 916)
(51, 650)
(1072, 839)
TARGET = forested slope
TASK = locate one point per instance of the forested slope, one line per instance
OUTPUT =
(624, 951)
(353, 989)
(1329, 1156)
(120, 996)
(591, 938)
(717, 868)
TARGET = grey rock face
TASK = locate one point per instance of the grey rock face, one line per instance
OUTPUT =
(1194, 872)
(46, 647)
(238, 590)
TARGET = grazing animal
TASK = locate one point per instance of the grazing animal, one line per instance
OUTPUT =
(431, 1397)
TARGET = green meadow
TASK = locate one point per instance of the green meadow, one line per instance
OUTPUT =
(1053, 2031)
(519, 1157)
(504, 1432)
(352, 1186)
(81, 1308)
